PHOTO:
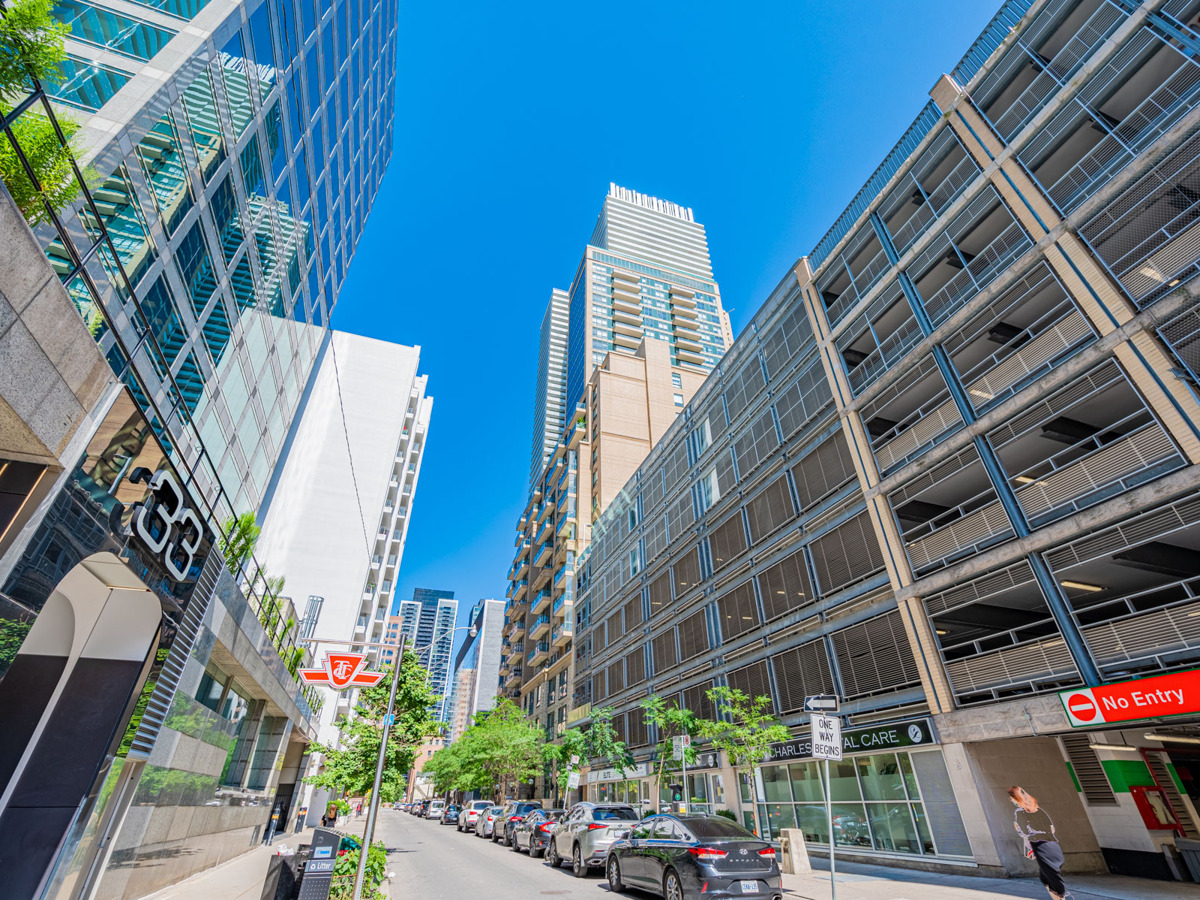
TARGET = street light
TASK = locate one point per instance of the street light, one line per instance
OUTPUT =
(369, 830)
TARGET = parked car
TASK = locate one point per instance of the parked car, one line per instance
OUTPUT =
(586, 832)
(450, 815)
(514, 812)
(435, 809)
(681, 856)
(486, 823)
(533, 833)
(466, 821)
(420, 807)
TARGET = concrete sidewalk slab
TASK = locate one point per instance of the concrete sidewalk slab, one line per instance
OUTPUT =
(861, 882)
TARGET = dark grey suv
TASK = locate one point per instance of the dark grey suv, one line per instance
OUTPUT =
(514, 813)
(586, 832)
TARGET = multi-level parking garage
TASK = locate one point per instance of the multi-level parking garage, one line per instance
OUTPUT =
(949, 473)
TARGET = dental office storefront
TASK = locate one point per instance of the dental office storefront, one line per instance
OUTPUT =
(890, 794)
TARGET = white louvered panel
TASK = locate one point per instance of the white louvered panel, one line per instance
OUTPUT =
(1140, 450)
(1032, 356)
(1012, 666)
(1177, 254)
(924, 431)
(973, 591)
(1151, 634)
(966, 532)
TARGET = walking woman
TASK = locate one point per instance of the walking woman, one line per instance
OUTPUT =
(1036, 829)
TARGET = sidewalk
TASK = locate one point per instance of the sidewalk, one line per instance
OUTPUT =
(861, 882)
(240, 878)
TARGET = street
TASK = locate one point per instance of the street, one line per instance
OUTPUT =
(432, 862)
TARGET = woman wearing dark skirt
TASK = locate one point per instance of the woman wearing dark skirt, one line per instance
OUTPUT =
(1041, 842)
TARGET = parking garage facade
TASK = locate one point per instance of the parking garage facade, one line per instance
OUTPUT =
(949, 471)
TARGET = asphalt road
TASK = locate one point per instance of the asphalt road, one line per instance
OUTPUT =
(434, 861)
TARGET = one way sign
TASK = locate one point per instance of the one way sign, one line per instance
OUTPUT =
(827, 738)
(821, 703)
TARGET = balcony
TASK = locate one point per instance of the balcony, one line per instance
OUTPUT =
(539, 627)
(578, 430)
(560, 580)
(540, 578)
(543, 510)
(683, 297)
(517, 590)
(559, 607)
(544, 531)
(541, 556)
(517, 629)
(516, 609)
(539, 653)
(561, 635)
(689, 357)
(514, 676)
(539, 601)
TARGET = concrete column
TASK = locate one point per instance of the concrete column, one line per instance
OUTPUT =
(916, 626)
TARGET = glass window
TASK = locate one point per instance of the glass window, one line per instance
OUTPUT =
(121, 34)
(312, 76)
(330, 61)
(237, 83)
(302, 184)
(228, 217)
(806, 782)
(252, 172)
(242, 283)
(850, 826)
(880, 776)
(196, 267)
(123, 218)
(678, 399)
(264, 53)
(216, 333)
(86, 84)
(775, 784)
(163, 164)
(190, 382)
(276, 149)
(162, 319)
(893, 827)
(308, 16)
(288, 16)
(295, 113)
(211, 688)
(203, 123)
(183, 9)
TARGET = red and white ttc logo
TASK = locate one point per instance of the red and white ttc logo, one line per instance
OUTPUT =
(342, 670)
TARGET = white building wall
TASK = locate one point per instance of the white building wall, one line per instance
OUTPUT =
(345, 463)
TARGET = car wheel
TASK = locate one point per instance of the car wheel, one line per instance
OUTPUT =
(614, 876)
(534, 852)
(552, 856)
(578, 869)
(513, 843)
(672, 889)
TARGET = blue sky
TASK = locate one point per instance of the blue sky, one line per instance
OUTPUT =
(766, 118)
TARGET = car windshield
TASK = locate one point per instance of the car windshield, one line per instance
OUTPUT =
(495, 810)
(717, 827)
(615, 813)
(480, 804)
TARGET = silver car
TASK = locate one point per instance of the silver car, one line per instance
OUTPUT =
(486, 823)
(470, 814)
(586, 832)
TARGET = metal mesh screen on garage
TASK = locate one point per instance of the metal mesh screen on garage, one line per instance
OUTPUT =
(847, 554)
(770, 510)
(693, 635)
(875, 656)
(738, 611)
(727, 541)
(801, 671)
(785, 586)
(752, 680)
(823, 471)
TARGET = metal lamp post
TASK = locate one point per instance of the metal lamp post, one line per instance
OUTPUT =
(388, 720)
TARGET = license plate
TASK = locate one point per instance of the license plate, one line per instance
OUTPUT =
(749, 887)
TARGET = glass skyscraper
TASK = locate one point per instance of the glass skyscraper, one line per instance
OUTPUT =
(238, 154)
(427, 623)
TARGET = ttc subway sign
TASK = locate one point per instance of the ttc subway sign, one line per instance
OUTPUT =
(1127, 701)
(342, 670)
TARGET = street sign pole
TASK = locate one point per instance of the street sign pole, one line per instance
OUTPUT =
(829, 816)
(373, 811)
(827, 745)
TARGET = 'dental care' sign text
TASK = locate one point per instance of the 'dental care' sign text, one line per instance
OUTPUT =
(1127, 701)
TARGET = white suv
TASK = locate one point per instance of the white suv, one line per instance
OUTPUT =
(470, 814)
(436, 807)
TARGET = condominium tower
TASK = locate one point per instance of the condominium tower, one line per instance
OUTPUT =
(644, 325)
(427, 624)
(948, 473)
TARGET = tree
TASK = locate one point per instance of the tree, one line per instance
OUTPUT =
(31, 44)
(671, 722)
(350, 767)
(238, 540)
(572, 743)
(603, 743)
(744, 728)
(49, 158)
(501, 750)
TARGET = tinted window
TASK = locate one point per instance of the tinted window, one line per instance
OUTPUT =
(665, 830)
(624, 814)
(642, 831)
(496, 810)
(718, 827)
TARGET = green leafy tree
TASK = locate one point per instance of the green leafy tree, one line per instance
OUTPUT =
(671, 722)
(745, 727)
(571, 743)
(604, 744)
(496, 754)
(49, 158)
(238, 540)
(31, 43)
(350, 766)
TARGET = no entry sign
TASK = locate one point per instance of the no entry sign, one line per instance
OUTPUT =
(1176, 694)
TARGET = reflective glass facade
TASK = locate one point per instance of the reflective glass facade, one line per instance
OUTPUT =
(238, 210)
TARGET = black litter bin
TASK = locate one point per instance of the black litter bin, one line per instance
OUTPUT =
(283, 878)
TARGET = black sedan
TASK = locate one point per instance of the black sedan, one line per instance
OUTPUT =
(533, 832)
(680, 857)
(450, 815)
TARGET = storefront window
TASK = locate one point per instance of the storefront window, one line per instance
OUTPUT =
(876, 803)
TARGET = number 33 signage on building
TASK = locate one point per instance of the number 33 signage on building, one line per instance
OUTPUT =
(164, 522)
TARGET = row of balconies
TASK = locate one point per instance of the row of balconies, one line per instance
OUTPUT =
(540, 652)
(539, 626)
(561, 635)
